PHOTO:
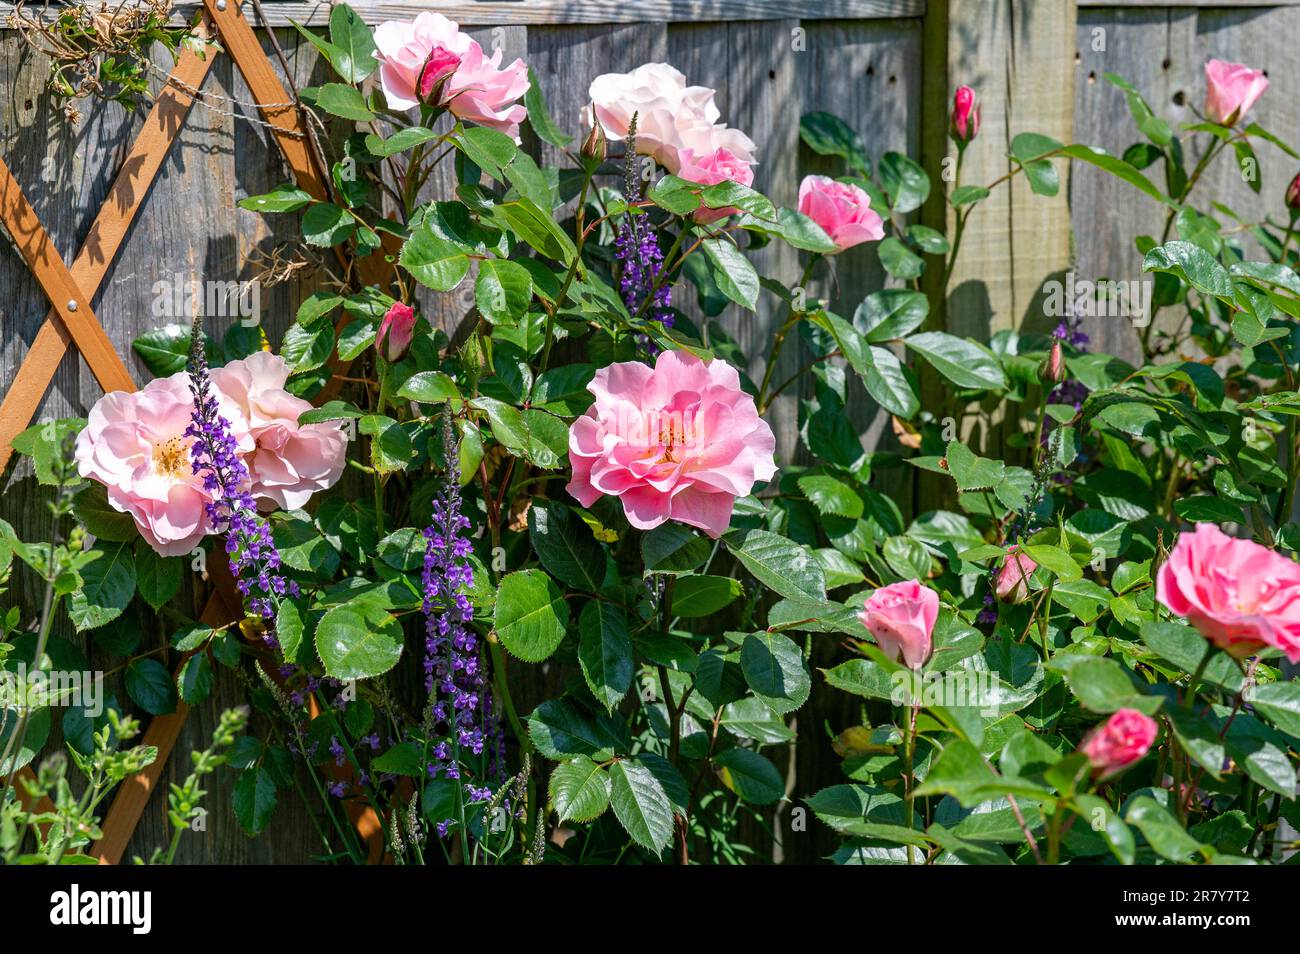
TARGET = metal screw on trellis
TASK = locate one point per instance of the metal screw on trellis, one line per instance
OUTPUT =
(221, 5)
(72, 304)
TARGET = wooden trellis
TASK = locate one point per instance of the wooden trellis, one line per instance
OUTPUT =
(72, 322)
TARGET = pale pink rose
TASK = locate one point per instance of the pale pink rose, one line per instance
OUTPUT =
(136, 446)
(1118, 742)
(841, 209)
(964, 124)
(679, 441)
(431, 56)
(1230, 90)
(394, 335)
(1240, 595)
(721, 165)
(670, 116)
(901, 617)
(290, 461)
(1013, 579)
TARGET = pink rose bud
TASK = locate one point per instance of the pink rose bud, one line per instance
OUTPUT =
(1240, 595)
(1013, 578)
(1293, 194)
(395, 331)
(1230, 90)
(841, 209)
(438, 69)
(901, 617)
(1052, 371)
(965, 115)
(1118, 742)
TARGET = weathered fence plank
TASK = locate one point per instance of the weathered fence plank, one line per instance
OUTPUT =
(283, 13)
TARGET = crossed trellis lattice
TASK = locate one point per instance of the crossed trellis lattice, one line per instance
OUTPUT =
(72, 322)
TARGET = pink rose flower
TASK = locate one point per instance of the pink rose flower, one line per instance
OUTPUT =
(1013, 578)
(431, 56)
(290, 461)
(721, 165)
(901, 617)
(1119, 742)
(965, 120)
(1293, 194)
(1230, 90)
(671, 116)
(841, 209)
(136, 446)
(394, 335)
(1240, 595)
(679, 441)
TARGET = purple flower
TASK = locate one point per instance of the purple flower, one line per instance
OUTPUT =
(214, 456)
(460, 707)
(636, 247)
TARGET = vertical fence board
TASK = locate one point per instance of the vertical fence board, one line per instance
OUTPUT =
(1152, 49)
(868, 74)
(1266, 39)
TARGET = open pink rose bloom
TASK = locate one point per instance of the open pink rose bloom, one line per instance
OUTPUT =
(677, 441)
(677, 125)
(431, 54)
(842, 210)
(291, 461)
(1240, 595)
(135, 445)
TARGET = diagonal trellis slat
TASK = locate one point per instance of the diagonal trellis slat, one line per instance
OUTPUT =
(71, 321)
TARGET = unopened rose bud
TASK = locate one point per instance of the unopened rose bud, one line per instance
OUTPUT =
(965, 115)
(594, 146)
(1293, 194)
(1119, 742)
(437, 71)
(1013, 579)
(1052, 371)
(395, 331)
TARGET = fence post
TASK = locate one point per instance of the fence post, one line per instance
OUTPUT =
(1018, 55)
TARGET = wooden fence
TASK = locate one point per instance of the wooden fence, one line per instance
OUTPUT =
(886, 66)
